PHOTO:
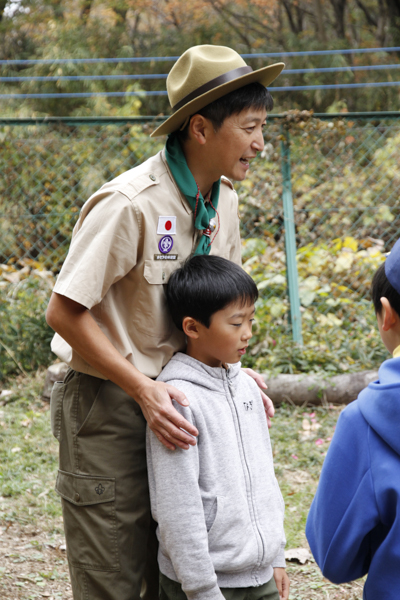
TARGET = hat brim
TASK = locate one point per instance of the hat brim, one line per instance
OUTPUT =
(265, 76)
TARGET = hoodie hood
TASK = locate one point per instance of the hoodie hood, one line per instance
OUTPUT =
(380, 403)
(182, 367)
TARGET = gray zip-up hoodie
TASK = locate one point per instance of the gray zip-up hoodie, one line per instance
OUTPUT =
(218, 505)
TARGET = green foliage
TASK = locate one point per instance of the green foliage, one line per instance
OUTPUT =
(300, 439)
(24, 334)
(28, 456)
(345, 183)
(344, 175)
(48, 174)
(51, 30)
(339, 325)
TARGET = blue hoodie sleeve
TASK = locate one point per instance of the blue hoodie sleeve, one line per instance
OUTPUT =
(344, 511)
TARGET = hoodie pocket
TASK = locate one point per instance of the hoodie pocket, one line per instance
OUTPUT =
(232, 523)
(212, 513)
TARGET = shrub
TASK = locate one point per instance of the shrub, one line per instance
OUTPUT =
(24, 334)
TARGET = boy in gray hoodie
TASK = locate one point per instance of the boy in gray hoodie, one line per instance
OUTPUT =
(218, 505)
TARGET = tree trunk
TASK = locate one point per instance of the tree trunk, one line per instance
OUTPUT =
(371, 20)
(292, 23)
(312, 389)
(339, 7)
(393, 7)
(381, 31)
(121, 11)
(85, 10)
(58, 9)
(2, 7)
(299, 18)
(319, 20)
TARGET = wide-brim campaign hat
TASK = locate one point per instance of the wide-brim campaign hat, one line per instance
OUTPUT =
(203, 74)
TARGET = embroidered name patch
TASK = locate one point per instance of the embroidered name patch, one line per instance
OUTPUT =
(165, 257)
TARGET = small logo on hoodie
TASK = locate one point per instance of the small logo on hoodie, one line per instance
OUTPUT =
(248, 405)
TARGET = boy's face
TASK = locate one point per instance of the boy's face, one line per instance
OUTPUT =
(227, 338)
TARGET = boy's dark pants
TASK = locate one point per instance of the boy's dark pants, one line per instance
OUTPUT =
(110, 535)
(171, 590)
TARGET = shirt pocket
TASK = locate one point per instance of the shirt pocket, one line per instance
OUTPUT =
(159, 272)
(151, 316)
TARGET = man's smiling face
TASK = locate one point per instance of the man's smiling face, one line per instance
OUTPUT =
(236, 142)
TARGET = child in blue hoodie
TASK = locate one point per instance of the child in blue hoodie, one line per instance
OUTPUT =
(353, 527)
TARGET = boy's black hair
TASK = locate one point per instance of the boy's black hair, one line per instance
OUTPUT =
(205, 285)
(382, 288)
(253, 95)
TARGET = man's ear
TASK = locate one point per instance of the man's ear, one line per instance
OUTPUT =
(190, 327)
(389, 316)
(199, 128)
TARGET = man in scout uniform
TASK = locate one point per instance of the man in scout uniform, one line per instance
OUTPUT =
(109, 311)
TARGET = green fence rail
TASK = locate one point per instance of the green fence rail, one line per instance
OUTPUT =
(318, 212)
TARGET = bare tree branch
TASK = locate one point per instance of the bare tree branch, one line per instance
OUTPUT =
(371, 20)
(288, 9)
(221, 10)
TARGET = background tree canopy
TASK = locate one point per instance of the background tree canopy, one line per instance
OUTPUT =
(51, 29)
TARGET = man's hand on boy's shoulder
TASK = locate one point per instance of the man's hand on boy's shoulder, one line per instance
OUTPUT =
(268, 404)
(282, 583)
(163, 419)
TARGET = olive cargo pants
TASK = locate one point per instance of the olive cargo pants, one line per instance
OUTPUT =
(171, 590)
(102, 481)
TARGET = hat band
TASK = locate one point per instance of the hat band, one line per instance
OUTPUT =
(210, 85)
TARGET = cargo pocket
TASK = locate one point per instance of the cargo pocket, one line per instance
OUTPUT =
(89, 520)
(56, 400)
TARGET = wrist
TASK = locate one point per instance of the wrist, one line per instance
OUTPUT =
(141, 388)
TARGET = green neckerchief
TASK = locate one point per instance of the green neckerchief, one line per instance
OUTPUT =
(185, 181)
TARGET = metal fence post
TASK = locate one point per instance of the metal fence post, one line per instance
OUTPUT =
(290, 240)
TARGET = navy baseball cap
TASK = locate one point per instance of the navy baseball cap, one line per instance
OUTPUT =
(392, 266)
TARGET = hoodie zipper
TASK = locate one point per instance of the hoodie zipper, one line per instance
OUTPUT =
(230, 386)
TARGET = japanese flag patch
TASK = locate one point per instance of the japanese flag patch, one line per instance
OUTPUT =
(166, 225)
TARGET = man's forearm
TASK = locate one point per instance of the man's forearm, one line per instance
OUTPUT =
(75, 325)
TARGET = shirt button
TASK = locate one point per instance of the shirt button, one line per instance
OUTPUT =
(152, 177)
(163, 276)
(77, 497)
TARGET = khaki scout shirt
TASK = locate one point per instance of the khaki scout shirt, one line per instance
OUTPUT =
(115, 268)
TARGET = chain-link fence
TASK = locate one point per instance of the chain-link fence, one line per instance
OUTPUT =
(339, 174)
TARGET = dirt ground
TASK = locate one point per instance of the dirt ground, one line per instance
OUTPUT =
(34, 566)
(33, 563)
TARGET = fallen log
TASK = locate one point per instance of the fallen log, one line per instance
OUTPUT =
(300, 389)
(317, 389)
(55, 372)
